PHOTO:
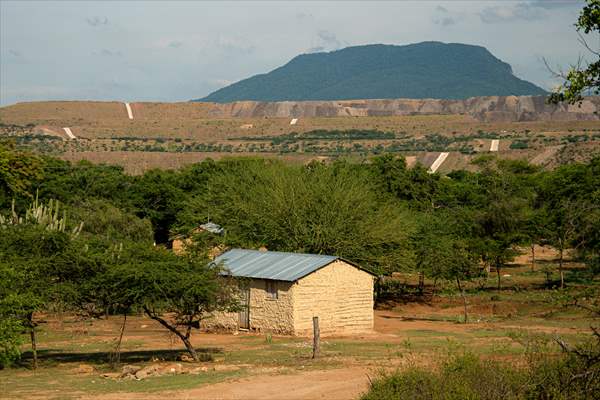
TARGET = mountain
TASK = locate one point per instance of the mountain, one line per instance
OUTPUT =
(423, 70)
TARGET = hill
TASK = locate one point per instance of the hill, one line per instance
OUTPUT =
(417, 71)
(169, 135)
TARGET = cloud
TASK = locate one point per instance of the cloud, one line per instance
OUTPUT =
(96, 21)
(523, 10)
(108, 53)
(234, 45)
(443, 17)
(304, 16)
(175, 44)
(14, 53)
(327, 41)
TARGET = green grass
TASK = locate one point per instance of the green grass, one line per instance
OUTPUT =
(59, 382)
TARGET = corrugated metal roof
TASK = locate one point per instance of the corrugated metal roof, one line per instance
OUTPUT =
(212, 228)
(272, 264)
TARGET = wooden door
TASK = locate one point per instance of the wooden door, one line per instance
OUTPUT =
(245, 311)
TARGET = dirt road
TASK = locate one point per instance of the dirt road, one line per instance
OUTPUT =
(335, 384)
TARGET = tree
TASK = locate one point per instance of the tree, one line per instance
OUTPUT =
(32, 249)
(580, 79)
(443, 251)
(161, 283)
(501, 219)
(314, 209)
(18, 172)
(568, 199)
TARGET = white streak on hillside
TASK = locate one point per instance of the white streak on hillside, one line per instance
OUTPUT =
(294, 121)
(69, 133)
(129, 112)
(438, 162)
(494, 145)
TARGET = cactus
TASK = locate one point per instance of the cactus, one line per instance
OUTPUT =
(47, 216)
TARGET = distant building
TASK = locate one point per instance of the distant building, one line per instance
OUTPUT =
(284, 291)
(179, 242)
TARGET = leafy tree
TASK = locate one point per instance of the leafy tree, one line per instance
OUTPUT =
(501, 219)
(158, 197)
(315, 209)
(582, 78)
(443, 251)
(414, 185)
(18, 171)
(36, 258)
(101, 219)
(569, 199)
(187, 289)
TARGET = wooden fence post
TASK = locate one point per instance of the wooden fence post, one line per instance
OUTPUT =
(316, 338)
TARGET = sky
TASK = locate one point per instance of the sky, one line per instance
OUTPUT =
(182, 50)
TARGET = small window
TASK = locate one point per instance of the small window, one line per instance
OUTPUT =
(271, 290)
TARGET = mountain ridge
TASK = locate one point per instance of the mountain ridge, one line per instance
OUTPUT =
(378, 71)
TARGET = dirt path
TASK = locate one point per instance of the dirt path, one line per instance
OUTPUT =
(336, 384)
(438, 162)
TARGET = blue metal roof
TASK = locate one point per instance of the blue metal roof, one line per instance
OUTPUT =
(272, 264)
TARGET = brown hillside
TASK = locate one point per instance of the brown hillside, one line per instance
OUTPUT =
(169, 135)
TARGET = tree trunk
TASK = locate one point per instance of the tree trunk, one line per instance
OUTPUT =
(34, 347)
(533, 257)
(117, 352)
(498, 274)
(462, 293)
(560, 268)
(184, 338)
(190, 348)
(421, 283)
(33, 340)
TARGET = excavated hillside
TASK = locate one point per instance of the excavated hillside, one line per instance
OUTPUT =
(440, 134)
(489, 109)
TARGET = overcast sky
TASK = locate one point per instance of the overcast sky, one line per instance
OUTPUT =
(177, 51)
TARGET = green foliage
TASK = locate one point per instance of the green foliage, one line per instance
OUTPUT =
(572, 375)
(581, 79)
(460, 377)
(316, 209)
(18, 172)
(101, 218)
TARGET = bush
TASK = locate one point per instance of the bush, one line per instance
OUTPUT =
(460, 377)
(574, 374)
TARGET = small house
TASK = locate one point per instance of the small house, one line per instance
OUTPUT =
(180, 242)
(282, 292)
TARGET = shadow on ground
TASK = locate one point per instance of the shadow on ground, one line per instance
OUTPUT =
(102, 357)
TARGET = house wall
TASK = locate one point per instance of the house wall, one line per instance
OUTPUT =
(266, 315)
(340, 294)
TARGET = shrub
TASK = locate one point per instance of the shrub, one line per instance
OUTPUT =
(460, 377)
(574, 374)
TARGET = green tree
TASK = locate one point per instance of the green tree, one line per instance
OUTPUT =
(580, 79)
(18, 172)
(569, 199)
(36, 258)
(187, 289)
(315, 209)
(443, 250)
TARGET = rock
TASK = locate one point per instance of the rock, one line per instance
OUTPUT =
(175, 369)
(130, 370)
(185, 357)
(147, 371)
(85, 369)
(225, 368)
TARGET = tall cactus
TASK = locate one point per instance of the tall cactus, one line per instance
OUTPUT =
(46, 215)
